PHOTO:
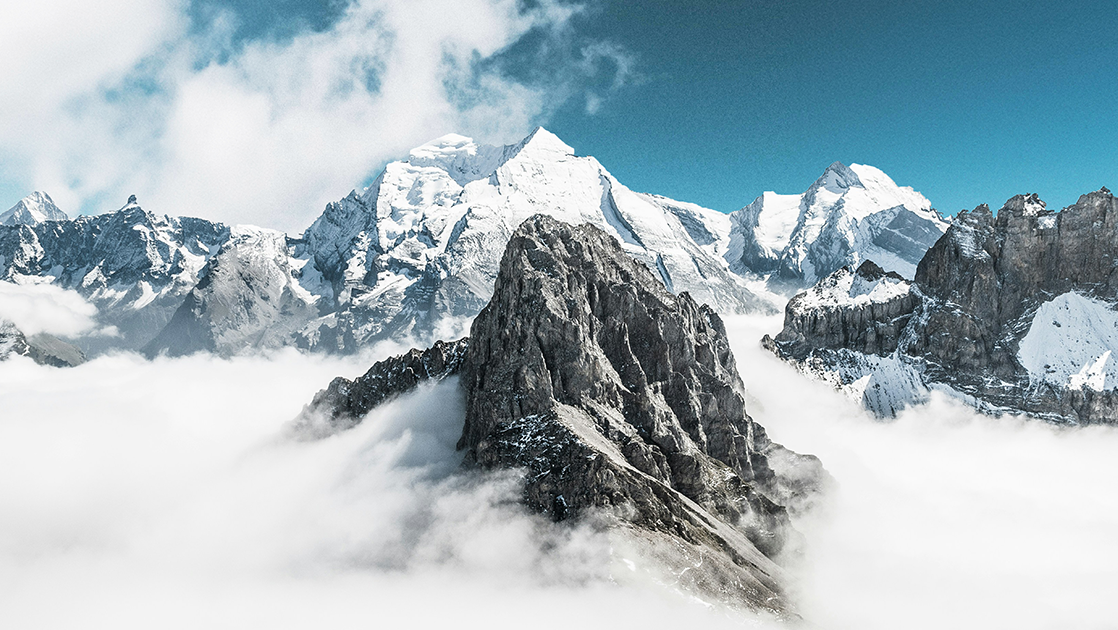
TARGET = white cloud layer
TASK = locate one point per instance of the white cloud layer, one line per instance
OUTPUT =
(944, 518)
(166, 494)
(44, 308)
(102, 99)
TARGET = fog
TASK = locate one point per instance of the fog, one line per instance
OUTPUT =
(944, 518)
(139, 494)
(170, 494)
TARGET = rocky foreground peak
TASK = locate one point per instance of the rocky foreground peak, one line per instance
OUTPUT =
(622, 404)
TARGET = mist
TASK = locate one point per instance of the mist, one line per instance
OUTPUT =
(943, 518)
(172, 493)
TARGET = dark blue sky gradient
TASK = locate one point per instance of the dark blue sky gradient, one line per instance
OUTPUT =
(968, 102)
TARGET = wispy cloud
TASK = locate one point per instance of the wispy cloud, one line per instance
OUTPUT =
(103, 99)
(43, 308)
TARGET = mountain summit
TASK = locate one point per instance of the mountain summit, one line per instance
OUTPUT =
(850, 214)
(622, 406)
(1013, 312)
(33, 209)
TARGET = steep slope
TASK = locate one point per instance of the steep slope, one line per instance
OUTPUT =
(33, 209)
(417, 252)
(848, 215)
(136, 267)
(622, 404)
(42, 348)
(1013, 312)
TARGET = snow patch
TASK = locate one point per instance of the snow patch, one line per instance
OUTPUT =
(1070, 342)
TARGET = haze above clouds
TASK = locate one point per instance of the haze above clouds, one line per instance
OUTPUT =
(106, 99)
(170, 493)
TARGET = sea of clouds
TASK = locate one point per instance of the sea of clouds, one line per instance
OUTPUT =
(172, 493)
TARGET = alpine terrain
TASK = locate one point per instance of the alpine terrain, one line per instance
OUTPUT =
(415, 255)
(621, 404)
(1013, 312)
(848, 215)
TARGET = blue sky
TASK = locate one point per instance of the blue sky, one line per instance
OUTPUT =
(968, 102)
(261, 111)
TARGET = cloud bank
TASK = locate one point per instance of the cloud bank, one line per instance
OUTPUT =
(44, 308)
(944, 518)
(104, 99)
(169, 493)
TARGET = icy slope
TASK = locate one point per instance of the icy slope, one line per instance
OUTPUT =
(1070, 343)
(850, 214)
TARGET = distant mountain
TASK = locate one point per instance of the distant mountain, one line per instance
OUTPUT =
(1014, 312)
(416, 253)
(42, 348)
(32, 209)
(134, 266)
(848, 215)
(620, 404)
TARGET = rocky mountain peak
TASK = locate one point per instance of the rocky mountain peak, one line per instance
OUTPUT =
(1009, 313)
(1028, 204)
(622, 404)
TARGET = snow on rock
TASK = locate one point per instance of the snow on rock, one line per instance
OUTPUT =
(1070, 342)
(847, 287)
(134, 266)
(850, 214)
(33, 209)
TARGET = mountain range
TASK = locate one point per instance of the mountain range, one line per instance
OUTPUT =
(1012, 312)
(416, 253)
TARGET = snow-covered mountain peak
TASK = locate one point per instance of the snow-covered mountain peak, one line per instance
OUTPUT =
(131, 203)
(838, 178)
(542, 141)
(33, 209)
(460, 157)
(850, 214)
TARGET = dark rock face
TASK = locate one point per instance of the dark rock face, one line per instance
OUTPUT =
(973, 301)
(344, 402)
(620, 401)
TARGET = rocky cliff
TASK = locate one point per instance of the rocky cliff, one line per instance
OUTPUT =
(1013, 312)
(621, 403)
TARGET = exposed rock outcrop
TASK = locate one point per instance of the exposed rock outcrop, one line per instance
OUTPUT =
(621, 402)
(344, 402)
(1012, 312)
